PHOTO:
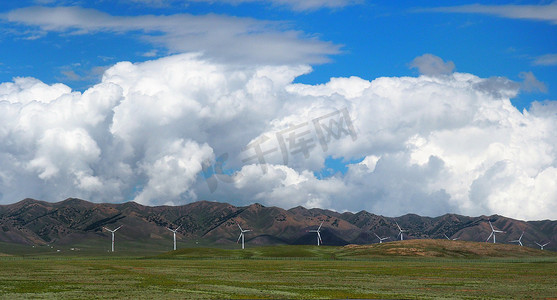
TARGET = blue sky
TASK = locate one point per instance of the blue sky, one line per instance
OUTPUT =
(373, 38)
(492, 52)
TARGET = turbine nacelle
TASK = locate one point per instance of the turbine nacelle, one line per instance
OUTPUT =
(113, 231)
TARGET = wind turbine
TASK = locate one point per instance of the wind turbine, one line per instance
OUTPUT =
(519, 241)
(400, 231)
(319, 240)
(380, 238)
(113, 231)
(450, 238)
(242, 231)
(493, 231)
(541, 246)
(174, 232)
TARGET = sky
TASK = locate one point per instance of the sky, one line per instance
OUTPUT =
(393, 107)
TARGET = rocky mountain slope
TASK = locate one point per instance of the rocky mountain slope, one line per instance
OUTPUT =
(33, 222)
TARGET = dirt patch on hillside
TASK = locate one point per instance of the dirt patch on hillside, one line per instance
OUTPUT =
(442, 248)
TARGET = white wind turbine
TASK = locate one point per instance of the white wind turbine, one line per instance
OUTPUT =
(400, 231)
(174, 232)
(381, 239)
(113, 231)
(450, 238)
(242, 231)
(318, 231)
(493, 231)
(519, 241)
(541, 246)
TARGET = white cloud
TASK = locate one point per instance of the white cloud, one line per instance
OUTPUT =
(531, 83)
(546, 12)
(172, 172)
(26, 89)
(432, 65)
(546, 60)
(293, 4)
(429, 144)
(219, 37)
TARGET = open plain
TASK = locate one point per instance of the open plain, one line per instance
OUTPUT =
(294, 272)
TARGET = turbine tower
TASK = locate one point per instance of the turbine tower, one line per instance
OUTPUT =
(400, 231)
(493, 231)
(174, 232)
(380, 238)
(519, 241)
(450, 238)
(242, 231)
(541, 246)
(113, 231)
(318, 231)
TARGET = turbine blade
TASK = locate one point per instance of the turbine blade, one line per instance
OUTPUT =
(490, 225)
(239, 226)
(118, 227)
(320, 225)
(376, 235)
(398, 226)
(447, 237)
(489, 236)
(239, 238)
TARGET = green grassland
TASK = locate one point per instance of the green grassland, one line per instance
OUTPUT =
(300, 272)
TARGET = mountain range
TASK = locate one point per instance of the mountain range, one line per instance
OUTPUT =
(73, 221)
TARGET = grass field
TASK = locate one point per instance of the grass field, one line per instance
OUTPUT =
(301, 272)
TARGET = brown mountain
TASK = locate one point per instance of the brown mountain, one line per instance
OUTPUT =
(72, 221)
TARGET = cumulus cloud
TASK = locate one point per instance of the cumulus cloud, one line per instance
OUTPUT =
(432, 65)
(547, 12)
(24, 90)
(217, 36)
(183, 128)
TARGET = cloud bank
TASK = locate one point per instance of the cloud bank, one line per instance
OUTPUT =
(148, 131)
